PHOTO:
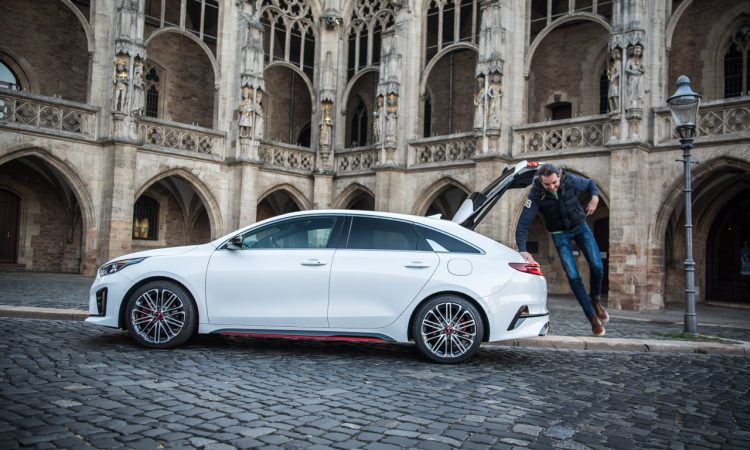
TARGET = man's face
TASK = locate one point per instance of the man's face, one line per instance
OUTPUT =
(551, 182)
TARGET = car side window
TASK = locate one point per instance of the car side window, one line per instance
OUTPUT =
(369, 233)
(309, 232)
(440, 242)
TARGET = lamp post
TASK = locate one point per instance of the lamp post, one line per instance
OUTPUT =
(684, 106)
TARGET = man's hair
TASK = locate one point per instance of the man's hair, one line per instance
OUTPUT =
(548, 169)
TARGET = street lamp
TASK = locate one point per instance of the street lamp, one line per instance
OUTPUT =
(684, 106)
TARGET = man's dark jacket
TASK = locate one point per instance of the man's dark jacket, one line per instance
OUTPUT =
(563, 213)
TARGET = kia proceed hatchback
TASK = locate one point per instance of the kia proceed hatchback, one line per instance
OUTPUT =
(335, 274)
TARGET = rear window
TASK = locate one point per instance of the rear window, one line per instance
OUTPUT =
(381, 234)
(440, 242)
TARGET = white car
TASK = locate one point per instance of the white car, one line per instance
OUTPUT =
(335, 274)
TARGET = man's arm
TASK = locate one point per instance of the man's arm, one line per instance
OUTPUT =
(530, 209)
(585, 184)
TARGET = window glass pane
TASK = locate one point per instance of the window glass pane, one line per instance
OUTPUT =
(352, 52)
(8, 79)
(448, 24)
(172, 10)
(314, 232)
(441, 242)
(381, 234)
(145, 216)
(603, 92)
(733, 72)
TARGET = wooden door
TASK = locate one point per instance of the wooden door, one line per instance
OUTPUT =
(9, 208)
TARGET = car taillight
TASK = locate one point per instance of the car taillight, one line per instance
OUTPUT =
(532, 268)
(532, 164)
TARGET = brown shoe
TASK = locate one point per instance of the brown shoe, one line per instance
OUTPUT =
(596, 326)
(601, 313)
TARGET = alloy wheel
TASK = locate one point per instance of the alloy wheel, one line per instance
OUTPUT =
(449, 330)
(158, 316)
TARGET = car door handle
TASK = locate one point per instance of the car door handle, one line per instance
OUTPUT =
(416, 265)
(313, 262)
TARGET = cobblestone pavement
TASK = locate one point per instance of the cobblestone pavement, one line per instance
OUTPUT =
(66, 384)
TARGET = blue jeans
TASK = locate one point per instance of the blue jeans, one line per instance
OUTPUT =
(587, 244)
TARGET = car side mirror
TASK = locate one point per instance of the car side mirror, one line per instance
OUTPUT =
(235, 243)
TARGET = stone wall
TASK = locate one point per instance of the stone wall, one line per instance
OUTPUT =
(50, 43)
(463, 90)
(279, 101)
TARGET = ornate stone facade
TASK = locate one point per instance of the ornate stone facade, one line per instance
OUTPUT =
(197, 118)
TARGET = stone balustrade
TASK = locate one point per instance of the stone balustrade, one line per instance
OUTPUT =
(442, 150)
(717, 120)
(287, 157)
(164, 135)
(357, 159)
(49, 115)
(570, 135)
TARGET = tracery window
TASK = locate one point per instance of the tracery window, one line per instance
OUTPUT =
(544, 12)
(145, 218)
(737, 63)
(154, 86)
(289, 33)
(450, 22)
(200, 17)
(369, 19)
(8, 78)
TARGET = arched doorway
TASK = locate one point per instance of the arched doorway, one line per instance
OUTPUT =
(447, 202)
(10, 205)
(362, 202)
(728, 252)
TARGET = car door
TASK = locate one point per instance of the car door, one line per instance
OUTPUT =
(479, 204)
(378, 273)
(277, 275)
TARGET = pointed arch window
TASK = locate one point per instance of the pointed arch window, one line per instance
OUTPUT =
(288, 33)
(359, 124)
(154, 85)
(8, 78)
(145, 218)
(450, 22)
(368, 21)
(737, 63)
(603, 91)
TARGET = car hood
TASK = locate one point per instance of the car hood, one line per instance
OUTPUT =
(168, 251)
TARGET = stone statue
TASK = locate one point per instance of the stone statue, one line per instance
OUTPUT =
(635, 71)
(613, 74)
(495, 93)
(377, 115)
(479, 100)
(138, 88)
(326, 126)
(247, 111)
(258, 114)
(391, 115)
(121, 82)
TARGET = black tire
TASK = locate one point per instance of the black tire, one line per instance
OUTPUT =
(448, 329)
(161, 314)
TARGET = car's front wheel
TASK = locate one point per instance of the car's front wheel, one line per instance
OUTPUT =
(160, 314)
(448, 329)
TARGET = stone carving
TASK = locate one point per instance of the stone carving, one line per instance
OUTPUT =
(480, 99)
(121, 81)
(259, 117)
(247, 112)
(391, 117)
(138, 88)
(377, 120)
(613, 74)
(326, 126)
(495, 93)
(635, 71)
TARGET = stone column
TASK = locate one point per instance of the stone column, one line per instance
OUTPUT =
(116, 230)
(629, 223)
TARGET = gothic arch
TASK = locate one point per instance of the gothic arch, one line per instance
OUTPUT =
(21, 68)
(352, 191)
(69, 175)
(296, 70)
(674, 200)
(718, 38)
(299, 198)
(435, 59)
(676, 15)
(84, 23)
(316, 9)
(208, 199)
(198, 41)
(431, 192)
(351, 83)
(544, 33)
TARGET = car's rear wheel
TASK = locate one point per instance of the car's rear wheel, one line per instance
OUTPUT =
(160, 314)
(448, 329)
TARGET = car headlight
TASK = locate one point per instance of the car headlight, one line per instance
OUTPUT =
(116, 266)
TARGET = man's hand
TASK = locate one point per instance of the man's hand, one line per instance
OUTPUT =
(527, 256)
(591, 207)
